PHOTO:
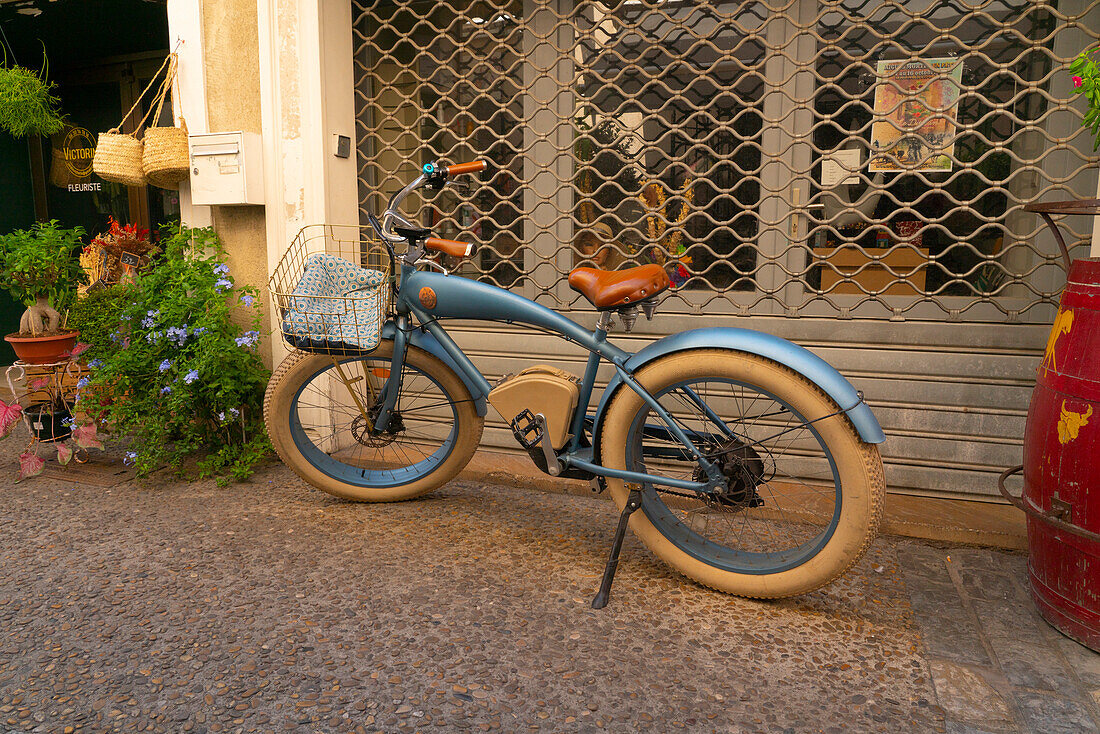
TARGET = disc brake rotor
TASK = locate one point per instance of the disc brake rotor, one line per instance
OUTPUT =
(367, 436)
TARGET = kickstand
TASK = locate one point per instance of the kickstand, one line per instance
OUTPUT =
(633, 502)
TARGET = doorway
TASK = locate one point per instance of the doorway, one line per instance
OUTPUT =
(98, 77)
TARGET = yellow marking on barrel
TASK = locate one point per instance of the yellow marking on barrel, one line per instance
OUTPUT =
(1070, 424)
(1062, 324)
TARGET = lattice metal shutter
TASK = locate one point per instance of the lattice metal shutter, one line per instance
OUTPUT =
(694, 135)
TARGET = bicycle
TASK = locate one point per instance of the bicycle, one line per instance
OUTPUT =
(753, 462)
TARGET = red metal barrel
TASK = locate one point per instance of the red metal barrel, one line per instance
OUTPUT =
(1062, 464)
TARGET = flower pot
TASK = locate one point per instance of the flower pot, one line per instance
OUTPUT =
(47, 423)
(43, 349)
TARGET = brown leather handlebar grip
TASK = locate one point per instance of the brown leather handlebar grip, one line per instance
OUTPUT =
(450, 247)
(471, 167)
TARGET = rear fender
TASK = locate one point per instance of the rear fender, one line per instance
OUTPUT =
(786, 353)
(431, 345)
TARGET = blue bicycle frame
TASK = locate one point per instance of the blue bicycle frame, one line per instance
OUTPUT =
(429, 296)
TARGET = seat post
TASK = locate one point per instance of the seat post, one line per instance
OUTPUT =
(585, 397)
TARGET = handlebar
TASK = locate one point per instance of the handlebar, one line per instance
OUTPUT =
(432, 175)
(471, 167)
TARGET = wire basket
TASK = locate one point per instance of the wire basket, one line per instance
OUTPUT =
(333, 289)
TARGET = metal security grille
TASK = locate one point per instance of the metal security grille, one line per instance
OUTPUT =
(695, 135)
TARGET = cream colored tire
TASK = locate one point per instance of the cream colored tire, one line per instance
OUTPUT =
(857, 464)
(300, 368)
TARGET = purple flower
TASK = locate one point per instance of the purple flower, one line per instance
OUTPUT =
(125, 317)
(152, 336)
(96, 363)
(221, 269)
(176, 335)
(198, 330)
(233, 412)
(221, 416)
(248, 340)
(247, 300)
(68, 422)
(222, 284)
(128, 460)
(191, 376)
(165, 365)
(82, 383)
(165, 390)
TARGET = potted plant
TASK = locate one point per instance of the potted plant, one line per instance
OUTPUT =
(27, 106)
(1086, 83)
(115, 256)
(55, 428)
(40, 268)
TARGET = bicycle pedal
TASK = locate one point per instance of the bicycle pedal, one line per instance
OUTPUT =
(526, 429)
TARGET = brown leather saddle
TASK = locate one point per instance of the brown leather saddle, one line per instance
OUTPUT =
(608, 289)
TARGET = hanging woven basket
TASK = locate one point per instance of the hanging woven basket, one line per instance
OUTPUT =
(165, 159)
(118, 158)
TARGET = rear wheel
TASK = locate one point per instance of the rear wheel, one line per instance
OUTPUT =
(803, 495)
(320, 431)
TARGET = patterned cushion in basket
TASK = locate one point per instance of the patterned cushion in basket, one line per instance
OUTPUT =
(336, 303)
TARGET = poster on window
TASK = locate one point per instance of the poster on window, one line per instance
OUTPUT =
(915, 107)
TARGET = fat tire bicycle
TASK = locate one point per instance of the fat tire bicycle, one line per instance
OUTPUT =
(741, 459)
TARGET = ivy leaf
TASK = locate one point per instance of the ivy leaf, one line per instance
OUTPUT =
(30, 465)
(40, 383)
(9, 416)
(85, 437)
(64, 453)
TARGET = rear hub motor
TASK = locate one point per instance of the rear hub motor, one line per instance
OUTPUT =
(744, 472)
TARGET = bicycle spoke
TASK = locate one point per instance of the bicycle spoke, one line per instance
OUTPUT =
(774, 456)
(334, 423)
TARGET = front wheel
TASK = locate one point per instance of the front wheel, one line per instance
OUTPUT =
(318, 411)
(803, 495)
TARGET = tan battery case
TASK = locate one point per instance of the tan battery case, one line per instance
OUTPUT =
(540, 389)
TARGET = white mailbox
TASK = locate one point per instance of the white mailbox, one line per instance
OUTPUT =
(226, 169)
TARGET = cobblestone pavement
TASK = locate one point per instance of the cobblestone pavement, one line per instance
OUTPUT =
(272, 606)
(996, 665)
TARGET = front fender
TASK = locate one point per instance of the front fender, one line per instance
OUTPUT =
(786, 353)
(429, 344)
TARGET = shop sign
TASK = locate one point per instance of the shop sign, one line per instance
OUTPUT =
(916, 104)
(71, 164)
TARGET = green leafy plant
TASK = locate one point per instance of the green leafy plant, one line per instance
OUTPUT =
(40, 267)
(58, 405)
(95, 314)
(1086, 83)
(27, 106)
(185, 376)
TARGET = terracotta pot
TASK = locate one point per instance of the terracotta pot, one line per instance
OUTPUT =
(42, 349)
